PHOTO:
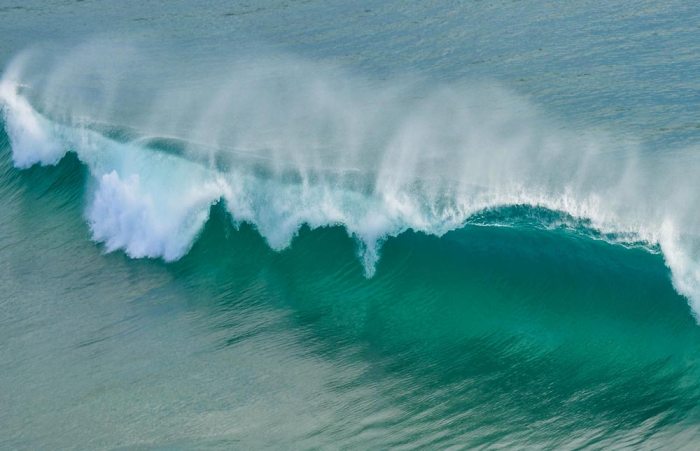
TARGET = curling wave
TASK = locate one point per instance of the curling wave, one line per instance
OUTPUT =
(287, 143)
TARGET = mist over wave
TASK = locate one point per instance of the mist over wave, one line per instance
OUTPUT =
(285, 142)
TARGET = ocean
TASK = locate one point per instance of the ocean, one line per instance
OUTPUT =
(312, 224)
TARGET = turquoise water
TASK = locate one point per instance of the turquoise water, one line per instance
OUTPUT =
(331, 225)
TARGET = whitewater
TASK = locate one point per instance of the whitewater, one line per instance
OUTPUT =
(283, 143)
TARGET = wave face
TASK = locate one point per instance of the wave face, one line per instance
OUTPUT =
(286, 143)
(230, 344)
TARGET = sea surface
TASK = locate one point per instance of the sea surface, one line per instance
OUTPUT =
(286, 224)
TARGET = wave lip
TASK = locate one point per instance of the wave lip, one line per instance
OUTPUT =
(429, 165)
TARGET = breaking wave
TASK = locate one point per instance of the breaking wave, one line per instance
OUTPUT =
(284, 143)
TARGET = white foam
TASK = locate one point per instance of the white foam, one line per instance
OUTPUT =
(124, 215)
